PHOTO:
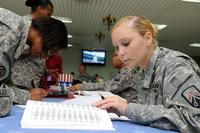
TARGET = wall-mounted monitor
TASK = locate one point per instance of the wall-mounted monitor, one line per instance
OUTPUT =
(94, 57)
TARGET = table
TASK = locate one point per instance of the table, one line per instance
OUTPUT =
(11, 124)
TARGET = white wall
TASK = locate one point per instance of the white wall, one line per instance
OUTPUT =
(72, 58)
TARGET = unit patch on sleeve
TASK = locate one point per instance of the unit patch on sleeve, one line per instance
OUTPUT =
(192, 95)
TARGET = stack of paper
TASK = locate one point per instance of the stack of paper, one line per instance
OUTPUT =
(53, 115)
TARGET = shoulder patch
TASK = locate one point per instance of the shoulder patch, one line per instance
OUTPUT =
(192, 95)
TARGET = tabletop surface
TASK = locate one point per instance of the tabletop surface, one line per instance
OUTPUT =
(11, 124)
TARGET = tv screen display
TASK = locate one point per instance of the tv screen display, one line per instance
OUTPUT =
(97, 57)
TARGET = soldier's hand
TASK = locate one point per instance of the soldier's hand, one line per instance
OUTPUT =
(38, 93)
(74, 87)
(113, 104)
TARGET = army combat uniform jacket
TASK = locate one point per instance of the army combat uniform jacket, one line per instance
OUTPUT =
(13, 36)
(168, 93)
(121, 85)
(28, 68)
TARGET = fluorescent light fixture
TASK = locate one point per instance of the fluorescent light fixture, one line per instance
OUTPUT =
(69, 36)
(195, 45)
(197, 1)
(63, 19)
(161, 26)
(70, 45)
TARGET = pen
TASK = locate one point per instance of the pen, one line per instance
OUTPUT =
(33, 84)
(102, 97)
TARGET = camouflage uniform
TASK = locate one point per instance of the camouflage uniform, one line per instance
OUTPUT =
(169, 93)
(85, 78)
(121, 85)
(28, 68)
(13, 36)
(28, 17)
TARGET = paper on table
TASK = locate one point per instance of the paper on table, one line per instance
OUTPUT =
(103, 93)
(53, 115)
(83, 100)
(89, 97)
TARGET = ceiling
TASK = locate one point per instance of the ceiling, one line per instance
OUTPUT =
(182, 18)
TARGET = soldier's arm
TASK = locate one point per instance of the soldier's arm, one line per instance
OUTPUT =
(115, 85)
(19, 95)
(5, 101)
(14, 94)
(180, 110)
(121, 81)
(92, 86)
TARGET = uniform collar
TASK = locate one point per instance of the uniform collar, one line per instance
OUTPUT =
(150, 69)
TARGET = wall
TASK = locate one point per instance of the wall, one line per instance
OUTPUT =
(72, 58)
(197, 59)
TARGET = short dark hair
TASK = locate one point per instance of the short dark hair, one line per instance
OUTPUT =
(53, 33)
(35, 3)
(82, 64)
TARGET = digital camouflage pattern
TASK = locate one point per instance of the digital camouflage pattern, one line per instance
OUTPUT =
(13, 36)
(28, 68)
(122, 85)
(168, 93)
(85, 78)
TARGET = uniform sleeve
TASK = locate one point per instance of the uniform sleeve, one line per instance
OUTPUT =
(120, 82)
(5, 62)
(180, 109)
(5, 101)
(25, 70)
(19, 95)
(92, 86)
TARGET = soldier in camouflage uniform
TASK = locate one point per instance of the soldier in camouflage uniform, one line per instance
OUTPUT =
(19, 38)
(83, 75)
(28, 68)
(121, 84)
(168, 82)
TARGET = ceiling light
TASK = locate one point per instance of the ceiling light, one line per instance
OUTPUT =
(161, 26)
(63, 19)
(198, 1)
(109, 21)
(70, 45)
(69, 36)
(195, 45)
(99, 36)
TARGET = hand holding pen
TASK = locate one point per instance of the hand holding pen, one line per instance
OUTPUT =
(113, 104)
(37, 93)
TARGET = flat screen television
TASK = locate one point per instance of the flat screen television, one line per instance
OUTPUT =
(94, 57)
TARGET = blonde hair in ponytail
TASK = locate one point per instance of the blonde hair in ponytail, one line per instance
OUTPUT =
(139, 24)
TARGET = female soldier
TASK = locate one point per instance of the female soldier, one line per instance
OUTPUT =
(28, 68)
(39, 8)
(168, 83)
(41, 37)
